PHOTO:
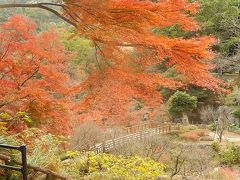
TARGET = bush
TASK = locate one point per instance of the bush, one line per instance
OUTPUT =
(236, 112)
(108, 166)
(232, 98)
(181, 102)
(230, 155)
(208, 114)
(212, 127)
(190, 159)
(153, 147)
(215, 146)
(234, 128)
(86, 135)
(43, 150)
(188, 128)
(193, 135)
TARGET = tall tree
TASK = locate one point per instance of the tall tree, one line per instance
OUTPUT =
(125, 46)
(33, 74)
(221, 18)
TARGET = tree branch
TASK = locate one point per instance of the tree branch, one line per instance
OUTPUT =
(33, 74)
(42, 6)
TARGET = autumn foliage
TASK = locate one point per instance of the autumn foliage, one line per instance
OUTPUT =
(33, 67)
(33, 76)
(122, 34)
(193, 135)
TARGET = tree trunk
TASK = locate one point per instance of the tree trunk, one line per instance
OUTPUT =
(220, 136)
(185, 120)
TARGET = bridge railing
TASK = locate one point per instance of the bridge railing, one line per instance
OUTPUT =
(23, 168)
(143, 126)
(137, 132)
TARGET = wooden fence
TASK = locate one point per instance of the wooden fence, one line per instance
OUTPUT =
(134, 133)
(34, 169)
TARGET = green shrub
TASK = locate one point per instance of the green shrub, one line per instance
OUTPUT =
(230, 155)
(181, 102)
(236, 112)
(212, 127)
(215, 146)
(234, 128)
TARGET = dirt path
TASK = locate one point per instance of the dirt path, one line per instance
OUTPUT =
(228, 136)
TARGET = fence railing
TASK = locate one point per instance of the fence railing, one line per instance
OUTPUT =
(134, 133)
(143, 126)
(23, 168)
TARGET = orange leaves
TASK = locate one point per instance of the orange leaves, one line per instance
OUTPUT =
(194, 135)
(122, 20)
(33, 74)
(121, 31)
(161, 14)
(18, 27)
(125, 46)
(110, 93)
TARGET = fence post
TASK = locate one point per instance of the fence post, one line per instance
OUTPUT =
(103, 146)
(24, 161)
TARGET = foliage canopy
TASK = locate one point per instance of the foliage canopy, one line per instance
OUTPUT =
(33, 73)
(121, 33)
(181, 102)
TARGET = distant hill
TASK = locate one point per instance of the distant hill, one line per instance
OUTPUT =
(43, 18)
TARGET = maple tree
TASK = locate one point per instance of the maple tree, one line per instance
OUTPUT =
(33, 76)
(121, 32)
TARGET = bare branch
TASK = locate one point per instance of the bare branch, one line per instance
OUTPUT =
(42, 6)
